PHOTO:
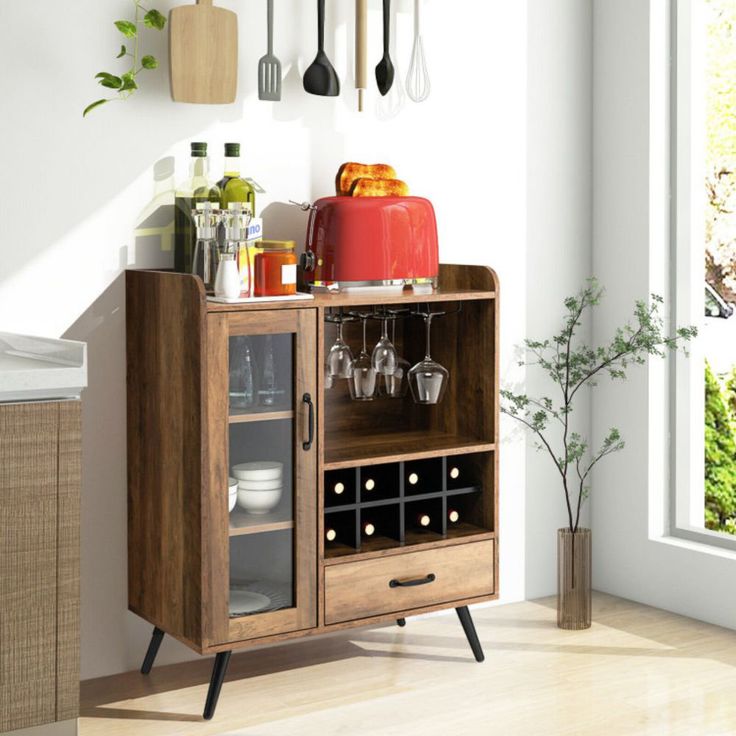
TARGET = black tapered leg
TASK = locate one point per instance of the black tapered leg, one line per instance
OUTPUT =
(218, 676)
(150, 657)
(469, 628)
(401, 621)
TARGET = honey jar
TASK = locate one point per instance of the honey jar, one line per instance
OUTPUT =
(275, 268)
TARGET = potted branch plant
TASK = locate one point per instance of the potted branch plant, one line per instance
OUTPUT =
(572, 366)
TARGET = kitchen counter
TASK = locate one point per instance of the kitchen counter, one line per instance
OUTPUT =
(41, 369)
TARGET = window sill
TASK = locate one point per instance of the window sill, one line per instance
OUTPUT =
(701, 541)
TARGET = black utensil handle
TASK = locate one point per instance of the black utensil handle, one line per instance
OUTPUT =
(386, 25)
(321, 24)
(307, 399)
(412, 583)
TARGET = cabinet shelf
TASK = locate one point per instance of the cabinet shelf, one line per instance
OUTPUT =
(343, 553)
(263, 416)
(242, 523)
(405, 499)
(369, 448)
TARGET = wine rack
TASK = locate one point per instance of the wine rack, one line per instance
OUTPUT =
(379, 507)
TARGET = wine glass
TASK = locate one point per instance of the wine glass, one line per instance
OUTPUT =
(362, 382)
(396, 385)
(428, 379)
(339, 359)
(384, 356)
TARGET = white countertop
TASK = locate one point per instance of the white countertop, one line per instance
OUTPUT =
(41, 368)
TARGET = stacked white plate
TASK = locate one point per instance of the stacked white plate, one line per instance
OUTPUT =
(260, 485)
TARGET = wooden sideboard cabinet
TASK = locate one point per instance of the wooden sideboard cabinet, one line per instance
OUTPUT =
(40, 478)
(381, 509)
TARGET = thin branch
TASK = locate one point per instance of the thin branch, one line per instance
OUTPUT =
(554, 459)
(607, 363)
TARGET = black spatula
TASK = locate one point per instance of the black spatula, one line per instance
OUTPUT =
(385, 68)
(321, 77)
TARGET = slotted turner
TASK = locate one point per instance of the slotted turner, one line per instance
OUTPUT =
(269, 67)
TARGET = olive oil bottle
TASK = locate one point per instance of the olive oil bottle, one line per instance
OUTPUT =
(198, 188)
(232, 187)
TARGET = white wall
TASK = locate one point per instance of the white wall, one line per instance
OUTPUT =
(633, 557)
(559, 225)
(73, 189)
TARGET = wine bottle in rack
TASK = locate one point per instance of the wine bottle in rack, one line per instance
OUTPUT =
(454, 473)
(339, 488)
(369, 484)
(330, 535)
(453, 516)
(423, 520)
(369, 529)
(413, 479)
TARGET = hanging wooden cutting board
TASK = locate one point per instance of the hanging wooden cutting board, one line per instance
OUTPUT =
(203, 54)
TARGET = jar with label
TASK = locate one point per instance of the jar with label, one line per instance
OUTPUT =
(275, 268)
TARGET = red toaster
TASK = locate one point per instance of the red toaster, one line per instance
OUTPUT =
(371, 241)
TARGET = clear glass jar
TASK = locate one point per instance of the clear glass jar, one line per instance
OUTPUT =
(275, 268)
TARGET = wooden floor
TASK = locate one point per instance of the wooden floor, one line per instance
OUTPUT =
(637, 671)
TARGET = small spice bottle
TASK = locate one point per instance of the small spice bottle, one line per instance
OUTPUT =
(275, 268)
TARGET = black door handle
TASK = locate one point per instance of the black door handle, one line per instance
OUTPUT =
(307, 399)
(411, 583)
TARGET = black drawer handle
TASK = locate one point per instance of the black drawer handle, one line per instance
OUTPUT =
(411, 583)
(307, 399)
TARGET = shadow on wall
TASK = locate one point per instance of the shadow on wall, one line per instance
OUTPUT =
(104, 599)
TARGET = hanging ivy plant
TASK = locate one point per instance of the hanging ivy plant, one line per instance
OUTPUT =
(126, 83)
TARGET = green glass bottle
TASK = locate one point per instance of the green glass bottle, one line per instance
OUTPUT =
(198, 188)
(232, 187)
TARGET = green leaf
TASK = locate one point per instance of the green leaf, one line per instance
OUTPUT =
(154, 19)
(127, 28)
(122, 53)
(128, 82)
(92, 106)
(109, 80)
(149, 62)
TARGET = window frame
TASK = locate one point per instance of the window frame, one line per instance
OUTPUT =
(687, 278)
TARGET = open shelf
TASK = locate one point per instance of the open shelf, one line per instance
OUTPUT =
(244, 523)
(357, 449)
(260, 416)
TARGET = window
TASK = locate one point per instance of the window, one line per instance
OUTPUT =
(704, 272)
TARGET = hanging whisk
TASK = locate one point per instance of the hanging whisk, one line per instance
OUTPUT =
(417, 80)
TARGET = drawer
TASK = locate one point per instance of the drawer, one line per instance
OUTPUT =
(356, 590)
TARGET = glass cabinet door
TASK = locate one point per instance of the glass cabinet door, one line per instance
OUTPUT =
(262, 469)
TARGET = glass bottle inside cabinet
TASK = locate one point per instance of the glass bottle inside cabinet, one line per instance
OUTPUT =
(261, 368)
(261, 459)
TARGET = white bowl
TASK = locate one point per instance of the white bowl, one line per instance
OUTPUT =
(260, 485)
(263, 470)
(232, 492)
(259, 502)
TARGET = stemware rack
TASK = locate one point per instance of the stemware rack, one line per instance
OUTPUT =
(379, 313)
